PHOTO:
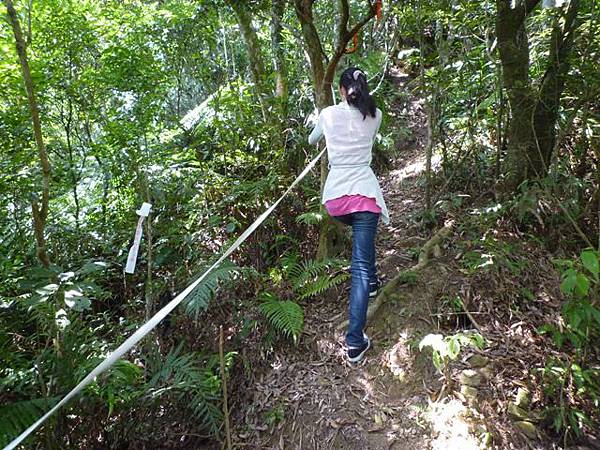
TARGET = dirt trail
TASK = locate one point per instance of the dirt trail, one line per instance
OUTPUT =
(311, 398)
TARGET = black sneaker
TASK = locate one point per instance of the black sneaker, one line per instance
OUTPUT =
(356, 354)
(374, 287)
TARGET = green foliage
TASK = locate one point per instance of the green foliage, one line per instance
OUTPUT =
(310, 218)
(305, 279)
(455, 303)
(313, 277)
(570, 388)
(192, 383)
(17, 416)
(198, 300)
(152, 101)
(572, 385)
(285, 316)
(121, 386)
(446, 349)
(581, 315)
(275, 415)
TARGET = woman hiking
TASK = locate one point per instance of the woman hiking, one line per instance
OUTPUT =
(352, 194)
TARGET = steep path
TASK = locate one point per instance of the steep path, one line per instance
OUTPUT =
(311, 398)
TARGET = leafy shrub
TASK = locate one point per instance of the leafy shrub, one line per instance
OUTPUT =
(16, 417)
(569, 385)
(572, 385)
(122, 385)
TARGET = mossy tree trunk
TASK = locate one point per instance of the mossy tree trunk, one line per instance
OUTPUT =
(252, 43)
(281, 83)
(534, 108)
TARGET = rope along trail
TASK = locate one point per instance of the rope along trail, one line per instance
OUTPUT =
(160, 315)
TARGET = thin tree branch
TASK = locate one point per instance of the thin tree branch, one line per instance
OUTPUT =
(40, 212)
(363, 22)
(342, 27)
(342, 42)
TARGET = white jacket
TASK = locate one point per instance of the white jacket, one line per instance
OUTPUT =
(349, 141)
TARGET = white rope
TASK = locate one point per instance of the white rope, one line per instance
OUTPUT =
(160, 315)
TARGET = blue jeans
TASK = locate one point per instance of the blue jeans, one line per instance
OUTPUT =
(364, 273)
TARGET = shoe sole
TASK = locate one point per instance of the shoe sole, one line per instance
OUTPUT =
(361, 355)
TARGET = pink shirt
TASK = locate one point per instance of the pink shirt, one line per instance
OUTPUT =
(347, 204)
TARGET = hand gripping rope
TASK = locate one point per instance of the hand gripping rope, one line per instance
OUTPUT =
(160, 315)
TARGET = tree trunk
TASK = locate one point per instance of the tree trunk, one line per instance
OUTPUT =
(499, 122)
(144, 188)
(513, 46)
(281, 85)
(257, 66)
(431, 126)
(534, 111)
(39, 211)
(331, 236)
(149, 291)
(548, 101)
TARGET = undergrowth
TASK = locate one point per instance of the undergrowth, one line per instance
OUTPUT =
(535, 297)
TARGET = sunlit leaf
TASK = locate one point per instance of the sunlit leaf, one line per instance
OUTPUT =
(75, 300)
(47, 290)
(589, 258)
(569, 280)
(582, 285)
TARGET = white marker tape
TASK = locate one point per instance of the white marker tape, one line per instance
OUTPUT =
(144, 211)
(553, 4)
(160, 315)
(133, 251)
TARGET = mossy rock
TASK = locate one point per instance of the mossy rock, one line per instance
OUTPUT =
(470, 377)
(478, 361)
(469, 393)
(522, 399)
(527, 428)
(516, 412)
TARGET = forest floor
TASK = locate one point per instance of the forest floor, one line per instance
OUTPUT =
(311, 398)
(488, 277)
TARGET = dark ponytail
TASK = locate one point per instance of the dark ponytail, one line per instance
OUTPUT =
(354, 81)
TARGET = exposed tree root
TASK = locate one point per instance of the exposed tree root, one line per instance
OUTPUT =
(428, 249)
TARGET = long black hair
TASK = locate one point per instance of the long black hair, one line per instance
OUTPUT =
(354, 81)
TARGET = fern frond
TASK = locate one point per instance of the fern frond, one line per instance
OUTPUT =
(285, 316)
(310, 218)
(197, 301)
(316, 277)
(207, 411)
(312, 269)
(290, 263)
(18, 416)
(194, 383)
(323, 283)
